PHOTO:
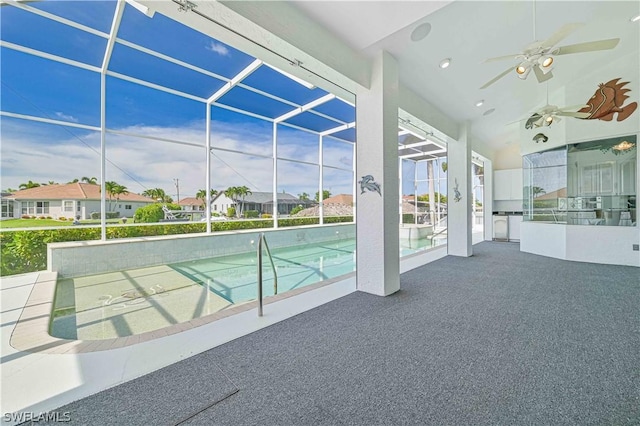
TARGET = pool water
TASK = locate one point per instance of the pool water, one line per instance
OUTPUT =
(234, 277)
(136, 301)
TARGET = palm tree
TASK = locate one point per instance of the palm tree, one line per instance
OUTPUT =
(325, 194)
(114, 189)
(158, 194)
(29, 185)
(304, 196)
(202, 195)
(232, 193)
(119, 190)
(536, 190)
(51, 182)
(91, 180)
(242, 191)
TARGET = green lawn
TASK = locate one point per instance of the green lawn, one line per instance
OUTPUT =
(38, 223)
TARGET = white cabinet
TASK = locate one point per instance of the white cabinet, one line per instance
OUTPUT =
(628, 177)
(507, 184)
(514, 228)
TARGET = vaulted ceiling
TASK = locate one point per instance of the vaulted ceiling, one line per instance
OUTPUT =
(469, 32)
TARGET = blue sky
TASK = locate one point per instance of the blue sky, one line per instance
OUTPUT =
(48, 89)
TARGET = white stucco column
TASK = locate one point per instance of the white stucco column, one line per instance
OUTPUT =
(377, 218)
(487, 202)
(459, 194)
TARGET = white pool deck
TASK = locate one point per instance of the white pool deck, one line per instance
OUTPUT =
(41, 382)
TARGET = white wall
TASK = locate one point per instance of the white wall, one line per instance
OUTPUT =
(221, 204)
(80, 258)
(507, 158)
(545, 239)
(596, 244)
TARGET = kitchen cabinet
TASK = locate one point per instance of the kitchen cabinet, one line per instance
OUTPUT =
(507, 184)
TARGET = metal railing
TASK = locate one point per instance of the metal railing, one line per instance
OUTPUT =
(262, 240)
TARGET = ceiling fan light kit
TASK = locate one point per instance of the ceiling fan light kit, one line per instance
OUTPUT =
(523, 70)
(545, 61)
(540, 55)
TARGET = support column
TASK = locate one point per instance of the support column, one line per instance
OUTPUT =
(487, 203)
(377, 218)
(459, 196)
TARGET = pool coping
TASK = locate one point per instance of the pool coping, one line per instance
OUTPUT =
(31, 332)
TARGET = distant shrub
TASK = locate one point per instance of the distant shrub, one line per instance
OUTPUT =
(152, 213)
(296, 209)
(26, 251)
(49, 217)
(41, 217)
(62, 218)
(25, 216)
(110, 215)
(231, 212)
(251, 214)
(266, 216)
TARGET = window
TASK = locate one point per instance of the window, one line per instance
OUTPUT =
(7, 208)
(127, 206)
(35, 207)
(67, 206)
(42, 207)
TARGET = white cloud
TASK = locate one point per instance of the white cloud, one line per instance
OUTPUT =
(38, 152)
(66, 117)
(218, 48)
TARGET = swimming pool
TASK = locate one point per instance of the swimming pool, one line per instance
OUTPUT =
(234, 277)
(137, 301)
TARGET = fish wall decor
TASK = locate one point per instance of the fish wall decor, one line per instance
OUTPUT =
(368, 183)
(456, 193)
(540, 137)
(607, 101)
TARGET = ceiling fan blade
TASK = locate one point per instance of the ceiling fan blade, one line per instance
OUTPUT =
(589, 46)
(498, 77)
(541, 76)
(574, 114)
(513, 122)
(561, 34)
(501, 58)
(572, 108)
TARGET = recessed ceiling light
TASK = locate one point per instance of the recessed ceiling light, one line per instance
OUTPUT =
(421, 31)
(635, 18)
(480, 103)
(489, 111)
(445, 63)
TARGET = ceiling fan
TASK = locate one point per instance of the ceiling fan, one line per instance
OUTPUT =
(539, 55)
(549, 114)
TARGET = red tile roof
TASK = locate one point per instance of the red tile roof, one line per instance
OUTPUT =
(191, 201)
(346, 199)
(72, 191)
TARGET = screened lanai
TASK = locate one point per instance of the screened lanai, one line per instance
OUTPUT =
(107, 94)
(115, 78)
(109, 78)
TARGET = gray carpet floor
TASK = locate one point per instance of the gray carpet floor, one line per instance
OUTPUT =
(499, 338)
